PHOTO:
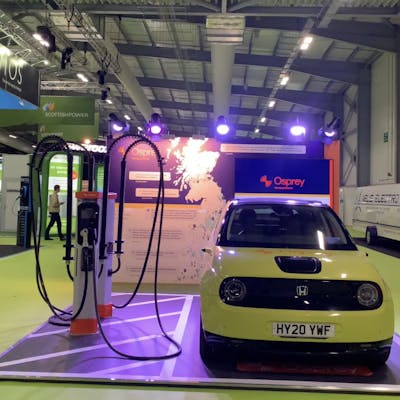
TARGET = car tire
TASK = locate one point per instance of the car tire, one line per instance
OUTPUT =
(379, 359)
(206, 351)
(371, 235)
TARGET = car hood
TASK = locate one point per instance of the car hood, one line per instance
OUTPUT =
(260, 262)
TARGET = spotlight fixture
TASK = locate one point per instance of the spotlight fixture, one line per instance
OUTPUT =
(116, 124)
(155, 126)
(271, 104)
(66, 57)
(297, 130)
(331, 132)
(46, 38)
(104, 94)
(222, 126)
(102, 77)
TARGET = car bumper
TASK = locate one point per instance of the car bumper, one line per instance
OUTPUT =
(311, 351)
(248, 323)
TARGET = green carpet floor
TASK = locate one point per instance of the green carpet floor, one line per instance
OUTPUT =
(23, 310)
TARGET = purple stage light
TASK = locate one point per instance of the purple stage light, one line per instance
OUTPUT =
(116, 127)
(222, 126)
(222, 129)
(298, 130)
(330, 134)
(155, 129)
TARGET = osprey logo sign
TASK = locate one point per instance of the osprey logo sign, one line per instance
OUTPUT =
(284, 176)
(283, 183)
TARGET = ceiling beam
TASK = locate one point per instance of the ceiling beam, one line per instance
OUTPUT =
(269, 130)
(337, 70)
(283, 116)
(376, 35)
(319, 100)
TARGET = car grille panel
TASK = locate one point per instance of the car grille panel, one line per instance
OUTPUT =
(297, 294)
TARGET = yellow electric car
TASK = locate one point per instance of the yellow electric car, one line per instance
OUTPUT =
(285, 279)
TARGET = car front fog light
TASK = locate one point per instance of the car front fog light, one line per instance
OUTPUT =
(368, 295)
(234, 290)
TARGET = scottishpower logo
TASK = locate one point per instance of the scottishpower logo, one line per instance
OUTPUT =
(280, 183)
(49, 107)
(50, 112)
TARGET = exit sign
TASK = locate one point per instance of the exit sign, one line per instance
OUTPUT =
(385, 137)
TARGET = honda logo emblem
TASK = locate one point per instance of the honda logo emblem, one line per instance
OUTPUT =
(302, 290)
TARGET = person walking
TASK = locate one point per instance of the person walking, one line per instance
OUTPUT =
(54, 210)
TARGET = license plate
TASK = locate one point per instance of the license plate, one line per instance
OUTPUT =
(303, 330)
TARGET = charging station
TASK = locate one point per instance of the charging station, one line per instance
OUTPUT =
(86, 263)
(24, 215)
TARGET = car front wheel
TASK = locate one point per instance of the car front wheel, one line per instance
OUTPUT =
(378, 359)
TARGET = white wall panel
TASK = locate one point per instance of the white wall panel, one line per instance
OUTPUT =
(349, 142)
(14, 166)
(383, 120)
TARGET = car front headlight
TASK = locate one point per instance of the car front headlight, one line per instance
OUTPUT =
(233, 290)
(368, 295)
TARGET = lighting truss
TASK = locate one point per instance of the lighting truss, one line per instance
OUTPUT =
(22, 38)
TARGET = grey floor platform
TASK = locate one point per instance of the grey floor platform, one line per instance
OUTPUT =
(50, 353)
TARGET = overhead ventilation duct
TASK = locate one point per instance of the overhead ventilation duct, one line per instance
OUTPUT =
(223, 32)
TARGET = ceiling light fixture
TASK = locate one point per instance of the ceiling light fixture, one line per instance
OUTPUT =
(82, 77)
(284, 80)
(271, 104)
(12, 136)
(127, 117)
(305, 44)
(44, 36)
(263, 119)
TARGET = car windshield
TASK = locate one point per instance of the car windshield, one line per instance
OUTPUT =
(284, 225)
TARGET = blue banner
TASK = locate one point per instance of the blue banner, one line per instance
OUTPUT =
(283, 176)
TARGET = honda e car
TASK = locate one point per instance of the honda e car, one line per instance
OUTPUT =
(285, 279)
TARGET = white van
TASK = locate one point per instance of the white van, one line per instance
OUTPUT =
(377, 212)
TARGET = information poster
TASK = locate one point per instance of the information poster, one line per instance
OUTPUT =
(198, 180)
